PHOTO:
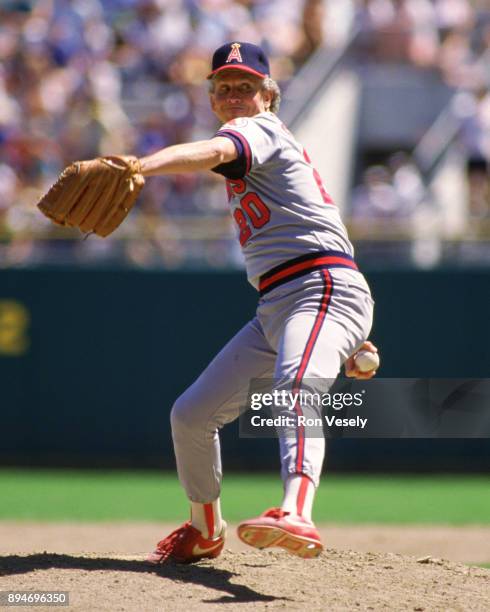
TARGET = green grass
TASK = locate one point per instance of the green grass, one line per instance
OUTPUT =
(120, 496)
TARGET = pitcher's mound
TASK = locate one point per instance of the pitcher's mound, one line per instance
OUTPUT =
(252, 580)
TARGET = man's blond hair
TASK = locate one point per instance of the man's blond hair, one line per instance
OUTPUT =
(271, 86)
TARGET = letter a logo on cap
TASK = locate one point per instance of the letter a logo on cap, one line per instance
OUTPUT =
(234, 53)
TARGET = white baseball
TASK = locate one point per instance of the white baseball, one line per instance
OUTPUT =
(367, 361)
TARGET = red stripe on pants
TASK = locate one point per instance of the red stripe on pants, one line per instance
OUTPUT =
(315, 332)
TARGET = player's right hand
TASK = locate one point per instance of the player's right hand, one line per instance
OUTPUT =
(352, 371)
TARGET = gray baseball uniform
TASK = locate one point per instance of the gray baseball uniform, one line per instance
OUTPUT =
(314, 311)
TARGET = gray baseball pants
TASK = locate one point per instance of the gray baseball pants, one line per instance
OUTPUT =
(305, 328)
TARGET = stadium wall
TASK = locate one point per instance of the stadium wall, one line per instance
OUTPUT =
(92, 360)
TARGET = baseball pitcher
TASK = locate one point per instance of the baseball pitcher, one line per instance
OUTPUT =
(314, 311)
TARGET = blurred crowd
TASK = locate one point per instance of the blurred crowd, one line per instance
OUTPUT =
(89, 77)
(448, 35)
(452, 39)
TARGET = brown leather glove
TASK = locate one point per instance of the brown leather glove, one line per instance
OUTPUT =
(94, 195)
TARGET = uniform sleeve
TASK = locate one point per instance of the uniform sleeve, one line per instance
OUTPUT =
(258, 142)
(237, 168)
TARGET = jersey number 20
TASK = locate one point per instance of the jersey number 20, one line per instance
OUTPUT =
(253, 208)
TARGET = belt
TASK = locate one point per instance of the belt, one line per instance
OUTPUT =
(294, 268)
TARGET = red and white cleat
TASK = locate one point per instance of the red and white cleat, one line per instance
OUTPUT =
(187, 545)
(278, 528)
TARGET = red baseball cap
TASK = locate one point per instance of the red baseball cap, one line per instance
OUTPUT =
(240, 56)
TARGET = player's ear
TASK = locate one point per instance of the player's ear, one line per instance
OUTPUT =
(267, 97)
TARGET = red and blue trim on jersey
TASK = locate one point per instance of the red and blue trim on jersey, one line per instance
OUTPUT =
(300, 266)
(234, 136)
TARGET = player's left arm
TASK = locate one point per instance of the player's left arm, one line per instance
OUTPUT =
(189, 157)
(351, 369)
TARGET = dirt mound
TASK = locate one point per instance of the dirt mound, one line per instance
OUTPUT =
(466, 544)
(337, 580)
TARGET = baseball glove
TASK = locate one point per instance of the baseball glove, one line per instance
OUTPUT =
(94, 195)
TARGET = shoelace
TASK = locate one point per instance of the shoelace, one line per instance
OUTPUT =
(166, 546)
(276, 513)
